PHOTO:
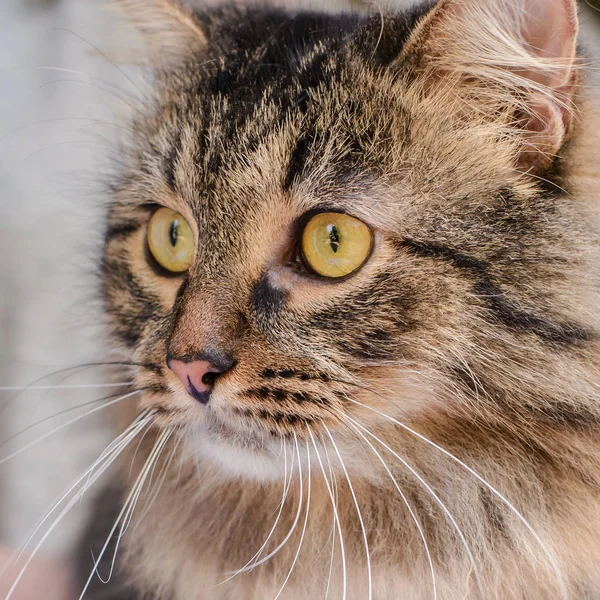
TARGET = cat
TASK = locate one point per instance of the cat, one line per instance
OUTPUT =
(351, 264)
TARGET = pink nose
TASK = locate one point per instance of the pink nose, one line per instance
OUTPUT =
(197, 376)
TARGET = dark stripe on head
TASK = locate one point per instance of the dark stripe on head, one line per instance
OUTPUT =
(170, 164)
(298, 158)
(280, 395)
(267, 300)
(292, 374)
(152, 367)
(133, 306)
(121, 230)
(283, 418)
(382, 38)
(506, 311)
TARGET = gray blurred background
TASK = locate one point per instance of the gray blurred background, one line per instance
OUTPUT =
(61, 101)
(57, 100)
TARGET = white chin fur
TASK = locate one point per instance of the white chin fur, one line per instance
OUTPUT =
(265, 464)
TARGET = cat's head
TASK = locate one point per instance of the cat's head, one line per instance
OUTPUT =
(330, 217)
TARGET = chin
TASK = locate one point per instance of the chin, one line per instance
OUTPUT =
(236, 454)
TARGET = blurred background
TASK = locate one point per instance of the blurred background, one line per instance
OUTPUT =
(62, 103)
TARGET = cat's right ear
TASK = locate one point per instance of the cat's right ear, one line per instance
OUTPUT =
(169, 30)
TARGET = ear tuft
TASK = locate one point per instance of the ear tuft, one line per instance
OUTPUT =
(507, 54)
(170, 31)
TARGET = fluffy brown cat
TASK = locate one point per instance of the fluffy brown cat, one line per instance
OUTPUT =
(353, 264)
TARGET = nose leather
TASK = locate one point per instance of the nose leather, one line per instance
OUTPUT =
(193, 375)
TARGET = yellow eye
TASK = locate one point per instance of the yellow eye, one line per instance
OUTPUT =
(170, 240)
(335, 245)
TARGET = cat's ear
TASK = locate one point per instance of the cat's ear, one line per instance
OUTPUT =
(170, 31)
(519, 52)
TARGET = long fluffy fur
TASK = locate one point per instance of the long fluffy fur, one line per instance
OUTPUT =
(475, 322)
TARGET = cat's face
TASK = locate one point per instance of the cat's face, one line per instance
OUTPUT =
(335, 238)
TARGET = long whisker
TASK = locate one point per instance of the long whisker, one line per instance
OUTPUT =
(305, 519)
(64, 512)
(65, 425)
(71, 371)
(489, 486)
(135, 453)
(287, 484)
(58, 414)
(73, 386)
(358, 512)
(143, 430)
(404, 499)
(333, 532)
(137, 486)
(133, 498)
(149, 484)
(103, 55)
(117, 446)
(151, 467)
(292, 529)
(118, 92)
(161, 479)
(114, 92)
(439, 502)
(111, 452)
(335, 510)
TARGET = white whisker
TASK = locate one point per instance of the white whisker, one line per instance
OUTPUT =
(489, 486)
(108, 455)
(358, 512)
(439, 502)
(305, 519)
(135, 453)
(66, 510)
(287, 484)
(292, 529)
(335, 512)
(118, 444)
(161, 479)
(143, 428)
(404, 499)
(125, 511)
(333, 532)
(64, 426)
(71, 386)
(55, 415)
(134, 496)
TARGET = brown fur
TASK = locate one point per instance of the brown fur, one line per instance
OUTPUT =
(475, 322)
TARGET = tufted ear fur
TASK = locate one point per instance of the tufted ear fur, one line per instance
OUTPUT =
(169, 30)
(515, 55)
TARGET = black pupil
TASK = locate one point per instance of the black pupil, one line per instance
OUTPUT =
(334, 238)
(174, 233)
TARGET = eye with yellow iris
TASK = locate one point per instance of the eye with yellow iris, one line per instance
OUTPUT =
(170, 240)
(334, 245)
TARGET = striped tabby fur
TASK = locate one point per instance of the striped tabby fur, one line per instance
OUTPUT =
(475, 324)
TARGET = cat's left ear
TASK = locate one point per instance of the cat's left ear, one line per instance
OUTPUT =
(170, 30)
(520, 52)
